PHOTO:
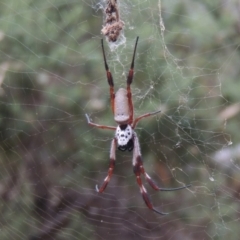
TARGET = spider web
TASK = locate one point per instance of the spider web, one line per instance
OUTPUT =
(52, 74)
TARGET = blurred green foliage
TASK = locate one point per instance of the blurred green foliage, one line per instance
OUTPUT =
(52, 73)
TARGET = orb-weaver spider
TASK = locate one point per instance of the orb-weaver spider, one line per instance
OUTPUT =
(125, 136)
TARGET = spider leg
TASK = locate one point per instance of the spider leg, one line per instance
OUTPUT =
(143, 190)
(147, 177)
(144, 116)
(138, 171)
(153, 184)
(129, 82)
(97, 125)
(109, 78)
(111, 166)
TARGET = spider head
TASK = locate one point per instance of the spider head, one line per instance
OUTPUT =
(124, 134)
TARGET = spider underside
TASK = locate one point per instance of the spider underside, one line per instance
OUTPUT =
(125, 137)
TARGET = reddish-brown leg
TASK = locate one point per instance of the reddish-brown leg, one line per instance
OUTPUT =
(129, 82)
(152, 183)
(97, 125)
(137, 163)
(143, 190)
(139, 169)
(109, 78)
(143, 116)
(111, 166)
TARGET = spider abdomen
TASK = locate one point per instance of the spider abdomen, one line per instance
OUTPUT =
(121, 107)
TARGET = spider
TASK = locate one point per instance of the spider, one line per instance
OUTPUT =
(125, 137)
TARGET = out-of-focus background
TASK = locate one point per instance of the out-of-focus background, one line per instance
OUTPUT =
(52, 73)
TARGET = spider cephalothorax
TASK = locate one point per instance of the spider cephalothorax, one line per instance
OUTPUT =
(125, 137)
